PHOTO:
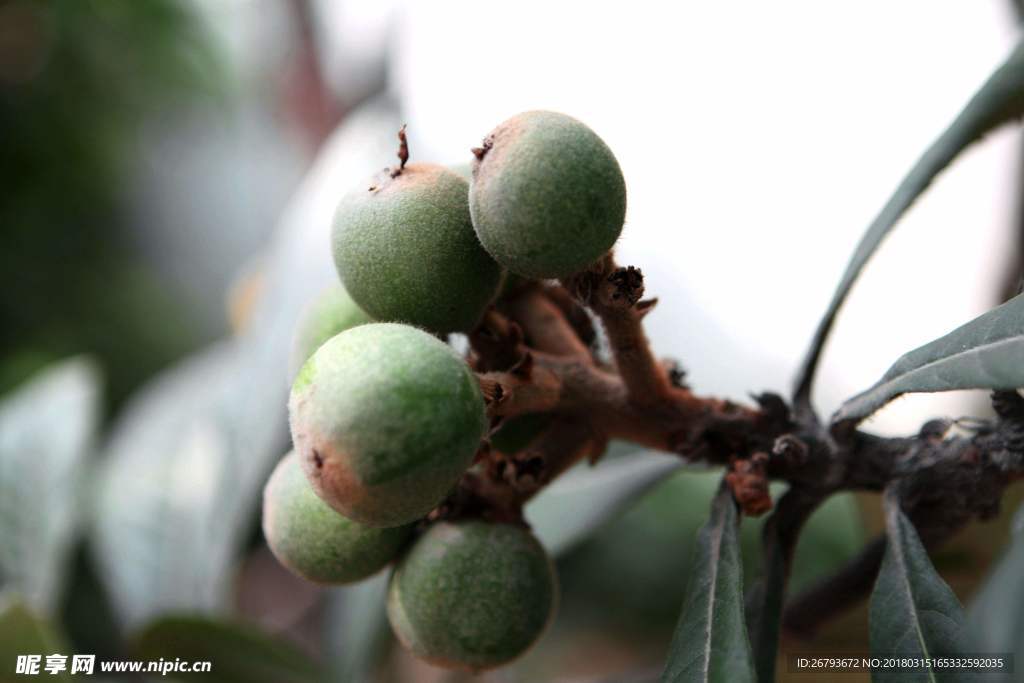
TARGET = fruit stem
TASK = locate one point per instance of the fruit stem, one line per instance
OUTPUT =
(529, 353)
(614, 295)
(403, 152)
(546, 325)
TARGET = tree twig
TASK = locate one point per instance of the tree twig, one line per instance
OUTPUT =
(545, 324)
(836, 593)
(765, 600)
(944, 482)
(614, 295)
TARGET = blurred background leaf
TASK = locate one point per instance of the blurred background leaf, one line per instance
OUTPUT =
(237, 653)
(356, 630)
(47, 430)
(633, 566)
(586, 497)
(23, 632)
(77, 78)
(188, 457)
(995, 617)
(160, 489)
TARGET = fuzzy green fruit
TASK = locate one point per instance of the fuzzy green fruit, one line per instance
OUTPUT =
(548, 198)
(331, 312)
(385, 418)
(314, 541)
(472, 595)
(405, 249)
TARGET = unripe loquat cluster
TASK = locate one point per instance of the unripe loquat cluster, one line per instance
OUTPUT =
(386, 418)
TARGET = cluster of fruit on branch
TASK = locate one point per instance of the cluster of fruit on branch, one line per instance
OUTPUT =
(404, 449)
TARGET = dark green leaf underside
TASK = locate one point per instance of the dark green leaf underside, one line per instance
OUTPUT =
(238, 654)
(710, 641)
(913, 612)
(578, 505)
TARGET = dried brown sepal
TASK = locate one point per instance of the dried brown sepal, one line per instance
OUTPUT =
(492, 390)
(480, 496)
(481, 151)
(540, 392)
(403, 152)
(612, 293)
(749, 484)
(676, 373)
(623, 288)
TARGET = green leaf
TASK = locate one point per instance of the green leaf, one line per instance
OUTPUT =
(237, 653)
(165, 518)
(22, 632)
(179, 488)
(1000, 100)
(913, 612)
(47, 429)
(710, 642)
(995, 618)
(765, 599)
(986, 353)
(584, 499)
(828, 540)
(356, 631)
(764, 611)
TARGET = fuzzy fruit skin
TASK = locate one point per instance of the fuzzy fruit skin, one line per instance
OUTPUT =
(472, 595)
(314, 541)
(548, 198)
(331, 312)
(385, 418)
(405, 250)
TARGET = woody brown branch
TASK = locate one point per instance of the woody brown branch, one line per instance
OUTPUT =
(575, 315)
(945, 482)
(546, 326)
(699, 428)
(504, 482)
(703, 429)
(614, 295)
(566, 441)
(633, 401)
